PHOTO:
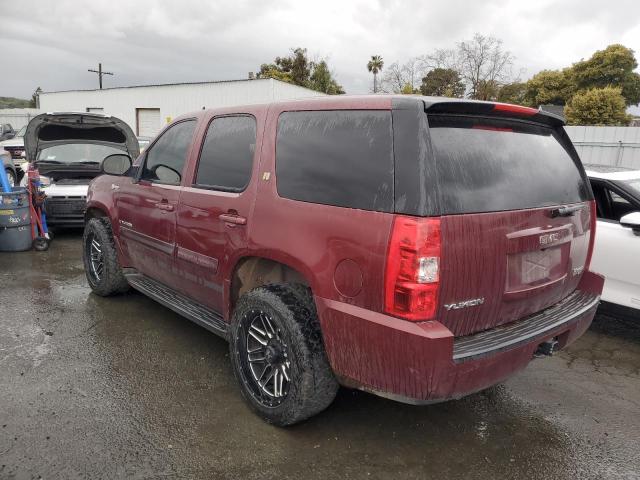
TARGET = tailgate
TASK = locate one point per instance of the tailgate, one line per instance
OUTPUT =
(501, 266)
(515, 209)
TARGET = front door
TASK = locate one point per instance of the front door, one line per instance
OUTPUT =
(214, 212)
(147, 206)
(615, 252)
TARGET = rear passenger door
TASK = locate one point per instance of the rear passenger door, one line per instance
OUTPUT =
(214, 211)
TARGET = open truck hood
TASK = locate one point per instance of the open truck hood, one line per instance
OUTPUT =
(50, 129)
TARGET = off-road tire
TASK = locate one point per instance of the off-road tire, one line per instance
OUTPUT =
(112, 281)
(313, 386)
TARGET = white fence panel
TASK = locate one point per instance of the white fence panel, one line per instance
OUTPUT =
(17, 117)
(617, 146)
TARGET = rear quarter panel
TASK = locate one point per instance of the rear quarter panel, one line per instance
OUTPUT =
(340, 251)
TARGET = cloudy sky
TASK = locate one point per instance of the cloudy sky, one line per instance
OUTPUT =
(51, 44)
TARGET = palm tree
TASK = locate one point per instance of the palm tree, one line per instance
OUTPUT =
(374, 66)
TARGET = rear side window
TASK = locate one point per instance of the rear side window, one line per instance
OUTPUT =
(227, 154)
(486, 165)
(342, 158)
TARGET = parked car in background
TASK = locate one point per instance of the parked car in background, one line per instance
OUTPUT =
(6, 132)
(9, 167)
(330, 246)
(67, 149)
(15, 146)
(617, 248)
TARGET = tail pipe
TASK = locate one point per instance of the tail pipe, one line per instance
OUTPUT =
(546, 349)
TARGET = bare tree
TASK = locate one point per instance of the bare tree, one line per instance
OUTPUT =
(393, 79)
(484, 65)
(399, 78)
(440, 58)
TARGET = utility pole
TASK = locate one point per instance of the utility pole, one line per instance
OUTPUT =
(100, 74)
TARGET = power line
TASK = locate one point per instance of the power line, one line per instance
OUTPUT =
(100, 74)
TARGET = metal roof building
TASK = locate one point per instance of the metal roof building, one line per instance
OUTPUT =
(148, 108)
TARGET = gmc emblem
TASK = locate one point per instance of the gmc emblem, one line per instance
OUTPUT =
(549, 238)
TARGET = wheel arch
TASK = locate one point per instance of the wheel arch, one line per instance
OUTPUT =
(94, 212)
(252, 271)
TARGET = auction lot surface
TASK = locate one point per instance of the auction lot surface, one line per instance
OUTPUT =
(124, 388)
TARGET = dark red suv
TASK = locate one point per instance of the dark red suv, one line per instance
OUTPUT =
(418, 248)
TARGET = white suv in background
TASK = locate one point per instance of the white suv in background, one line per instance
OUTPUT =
(68, 149)
(617, 247)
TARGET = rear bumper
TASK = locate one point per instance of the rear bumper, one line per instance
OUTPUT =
(424, 363)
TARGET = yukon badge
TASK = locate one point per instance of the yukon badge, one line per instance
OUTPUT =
(464, 304)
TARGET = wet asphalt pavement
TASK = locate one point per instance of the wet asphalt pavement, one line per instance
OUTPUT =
(124, 388)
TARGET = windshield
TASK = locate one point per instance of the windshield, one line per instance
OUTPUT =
(21, 132)
(487, 165)
(76, 153)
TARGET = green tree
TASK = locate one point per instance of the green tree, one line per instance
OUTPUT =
(407, 89)
(597, 106)
(374, 66)
(487, 90)
(271, 70)
(554, 87)
(322, 80)
(11, 102)
(513, 93)
(612, 66)
(299, 70)
(294, 68)
(442, 82)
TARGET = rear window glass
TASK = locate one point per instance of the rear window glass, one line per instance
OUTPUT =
(342, 158)
(486, 165)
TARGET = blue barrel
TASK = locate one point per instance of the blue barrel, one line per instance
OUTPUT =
(15, 221)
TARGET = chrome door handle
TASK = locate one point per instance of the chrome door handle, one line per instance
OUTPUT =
(167, 207)
(232, 219)
(115, 187)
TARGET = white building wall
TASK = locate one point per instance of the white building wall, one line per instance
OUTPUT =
(172, 100)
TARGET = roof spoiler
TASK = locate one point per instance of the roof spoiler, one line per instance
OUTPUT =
(502, 110)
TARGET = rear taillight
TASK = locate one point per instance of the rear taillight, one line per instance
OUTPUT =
(515, 109)
(412, 274)
(592, 233)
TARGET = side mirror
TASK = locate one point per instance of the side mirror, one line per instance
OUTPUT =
(632, 221)
(117, 164)
(166, 174)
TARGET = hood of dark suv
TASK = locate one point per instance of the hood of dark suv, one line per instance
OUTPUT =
(50, 129)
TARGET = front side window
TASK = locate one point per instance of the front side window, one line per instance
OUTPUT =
(166, 158)
(227, 154)
(342, 158)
